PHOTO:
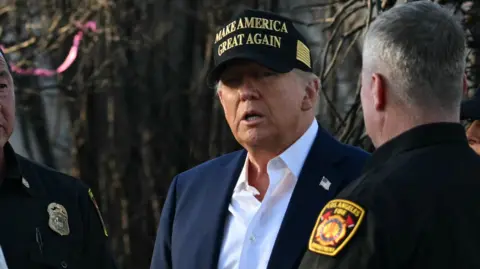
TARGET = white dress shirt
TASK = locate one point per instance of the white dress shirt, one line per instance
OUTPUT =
(3, 263)
(252, 226)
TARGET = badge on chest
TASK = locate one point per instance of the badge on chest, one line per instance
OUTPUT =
(58, 219)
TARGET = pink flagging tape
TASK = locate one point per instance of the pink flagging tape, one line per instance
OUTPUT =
(72, 55)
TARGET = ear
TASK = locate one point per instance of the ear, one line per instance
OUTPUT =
(465, 84)
(219, 93)
(311, 94)
(379, 91)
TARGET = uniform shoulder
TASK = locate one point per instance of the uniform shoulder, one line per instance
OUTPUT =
(50, 179)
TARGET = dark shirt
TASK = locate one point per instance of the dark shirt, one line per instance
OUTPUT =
(416, 206)
(49, 219)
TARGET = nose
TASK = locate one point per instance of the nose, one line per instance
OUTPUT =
(248, 91)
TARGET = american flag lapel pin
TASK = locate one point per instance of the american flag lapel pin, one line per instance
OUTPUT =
(325, 183)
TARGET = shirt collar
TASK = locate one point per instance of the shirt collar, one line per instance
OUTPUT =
(293, 157)
(11, 163)
(14, 172)
(418, 137)
(242, 182)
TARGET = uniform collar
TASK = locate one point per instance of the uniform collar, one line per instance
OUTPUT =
(418, 137)
(11, 164)
(14, 171)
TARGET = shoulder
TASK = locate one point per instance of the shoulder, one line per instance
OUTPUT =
(191, 184)
(347, 154)
(355, 154)
(51, 181)
(353, 160)
(432, 170)
(209, 168)
(411, 178)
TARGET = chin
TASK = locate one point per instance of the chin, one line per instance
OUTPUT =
(476, 148)
(251, 141)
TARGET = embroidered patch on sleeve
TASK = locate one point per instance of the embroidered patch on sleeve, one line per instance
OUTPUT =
(90, 193)
(335, 226)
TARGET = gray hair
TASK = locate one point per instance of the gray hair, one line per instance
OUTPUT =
(420, 49)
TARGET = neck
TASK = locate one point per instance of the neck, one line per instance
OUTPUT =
(258, 158)
(257, 172)
(399, 122)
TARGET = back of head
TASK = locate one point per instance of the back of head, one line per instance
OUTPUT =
(419, 49)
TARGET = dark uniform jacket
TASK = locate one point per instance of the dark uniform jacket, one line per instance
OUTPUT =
(417, 206)
(49, 220)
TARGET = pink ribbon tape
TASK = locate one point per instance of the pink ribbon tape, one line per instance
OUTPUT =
(72, 55)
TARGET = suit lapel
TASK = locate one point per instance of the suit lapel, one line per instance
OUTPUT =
(214, 208)
(307, 201)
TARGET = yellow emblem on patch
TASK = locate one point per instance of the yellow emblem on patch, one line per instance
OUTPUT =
(335, 226)
(90, 193)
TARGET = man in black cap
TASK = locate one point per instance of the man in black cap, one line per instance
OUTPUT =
(471, 112)
(416, 205)
(48, 219)
(254, 208)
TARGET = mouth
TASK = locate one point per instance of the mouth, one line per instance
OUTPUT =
(252, 117)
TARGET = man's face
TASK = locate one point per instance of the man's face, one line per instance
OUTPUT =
(473, 135)
(263, 108)
(7, 103)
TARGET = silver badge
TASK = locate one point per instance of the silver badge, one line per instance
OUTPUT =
(58, 220)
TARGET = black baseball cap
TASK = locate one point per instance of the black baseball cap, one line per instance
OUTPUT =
(470, 109)
(263, 37)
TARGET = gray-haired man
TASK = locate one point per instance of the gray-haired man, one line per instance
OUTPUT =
(416, 204)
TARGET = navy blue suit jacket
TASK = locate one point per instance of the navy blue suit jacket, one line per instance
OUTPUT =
(192, 223)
